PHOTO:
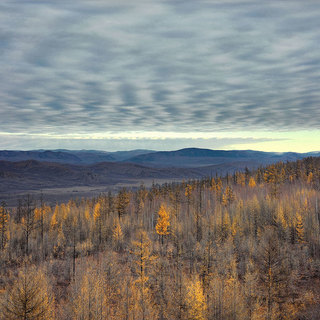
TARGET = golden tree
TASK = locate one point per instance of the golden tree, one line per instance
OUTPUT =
(142, 257)
(275, 277)
(89, 299)
(98, 221)
(4, 219)
(163, 222)
(241, 179)
(54, 218)
(195, 301)
(299, 228)
(29, 297)
(117, 234)
(252, 182)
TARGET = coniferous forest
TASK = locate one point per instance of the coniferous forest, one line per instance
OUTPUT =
(242, 246)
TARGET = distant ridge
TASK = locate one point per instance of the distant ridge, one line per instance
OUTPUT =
(62, 180)
(183, 158)
(69, 156)
(194, 157)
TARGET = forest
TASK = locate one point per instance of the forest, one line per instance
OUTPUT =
(243, 246)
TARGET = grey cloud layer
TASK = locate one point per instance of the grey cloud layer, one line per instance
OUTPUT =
(23, 142)
(95, 66)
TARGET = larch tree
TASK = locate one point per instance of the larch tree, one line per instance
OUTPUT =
(117, 234)
(299, 228)
(30, 297)
(97, 217)
(122, 202)
(163, 222)
(274, 276)
(188, 195)
(195, 301)
(4, 221)
(252, 182)
(28, 221)
(89, 301)
(229, 195)
(142, 259)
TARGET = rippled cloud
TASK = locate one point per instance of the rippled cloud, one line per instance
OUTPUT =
(175, 66)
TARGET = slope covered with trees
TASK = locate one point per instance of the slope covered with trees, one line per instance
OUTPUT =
(244, 246)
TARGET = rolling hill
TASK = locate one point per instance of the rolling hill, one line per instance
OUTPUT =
(70, 156)
(68, 171)
(194, 157)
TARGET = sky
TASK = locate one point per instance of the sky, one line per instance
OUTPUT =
(162, 75)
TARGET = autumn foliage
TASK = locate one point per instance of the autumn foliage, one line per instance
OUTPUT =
(243, 246)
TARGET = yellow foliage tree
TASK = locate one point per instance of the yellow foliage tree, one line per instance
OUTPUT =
(89, 300)
(218, 187)
(213, 184)
(142, 256)
(195, 301)
(29, 297)
(98, 221)
(299, 227)
(281, 217)
(228, 196)
(65, 210)
(37, 213)
(188, 194)
(224, 200)
(241, 179)
(87, 213)
(53, 222)
(4, 219)
(117, 234)
(59, 247)
(54, 218)
(225, 226)
(163, 222)
(96, 212)
(310, 178)
(252, 182)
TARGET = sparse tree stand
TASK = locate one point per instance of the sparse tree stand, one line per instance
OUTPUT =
(29, 298)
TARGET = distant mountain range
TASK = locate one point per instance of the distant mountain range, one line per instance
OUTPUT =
(194, 157)
(184, 158)
(25, 171)
(70, 156)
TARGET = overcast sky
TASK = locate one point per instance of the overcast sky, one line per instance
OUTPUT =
(117, 75)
